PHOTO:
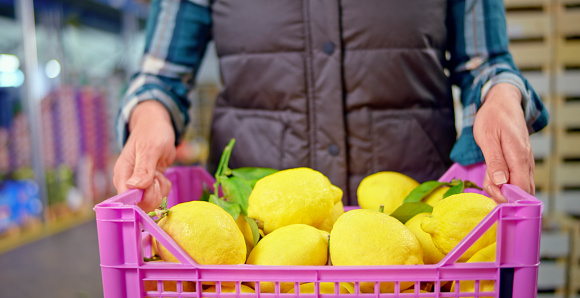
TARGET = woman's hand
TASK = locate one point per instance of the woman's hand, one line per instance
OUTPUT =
(500, 131)
(149, 150)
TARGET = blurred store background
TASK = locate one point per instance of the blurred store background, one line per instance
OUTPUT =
(64, 65)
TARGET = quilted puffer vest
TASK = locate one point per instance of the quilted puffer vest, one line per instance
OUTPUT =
(346, 87)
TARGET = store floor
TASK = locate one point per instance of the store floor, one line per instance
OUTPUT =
(61, 266)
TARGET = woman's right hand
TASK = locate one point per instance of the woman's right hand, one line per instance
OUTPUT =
(149, 150)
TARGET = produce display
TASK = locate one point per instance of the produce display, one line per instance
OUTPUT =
(295, 217)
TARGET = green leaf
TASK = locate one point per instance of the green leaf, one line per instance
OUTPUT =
(237, 190)
(225, 159)
(470, 184)
(251, 174)
(410, 209)
(423, 190)
(453, 190)
(254, 227)
(205, 194)
(231, 208)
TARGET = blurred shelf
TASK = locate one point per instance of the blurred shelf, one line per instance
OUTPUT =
(19, 236)
(102, 14)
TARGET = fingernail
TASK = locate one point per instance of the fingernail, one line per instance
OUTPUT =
(133, 181)
(488, 190)
(499, 178)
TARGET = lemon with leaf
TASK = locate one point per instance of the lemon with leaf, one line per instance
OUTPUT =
(384, 188)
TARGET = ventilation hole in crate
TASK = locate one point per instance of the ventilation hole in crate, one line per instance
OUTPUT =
(227, 287)
(271, 287)
(323, 288)
(486, 286)
(473, 286)
(420, 288)
(445, 286)
(384, 286)
(153, 287)
(427, 286)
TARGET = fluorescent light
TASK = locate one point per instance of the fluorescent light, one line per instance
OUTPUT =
(11, 79)
(9, 63)
(52, 69)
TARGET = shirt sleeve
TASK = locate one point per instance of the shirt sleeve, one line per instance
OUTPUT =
(479, 58)
(176, 39)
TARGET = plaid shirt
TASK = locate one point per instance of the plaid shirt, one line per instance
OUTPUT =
(178, 32)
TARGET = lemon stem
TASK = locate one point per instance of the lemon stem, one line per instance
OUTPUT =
(329, 263)
(381, 208)
(260, 224)
(151, 259)
(160, 212)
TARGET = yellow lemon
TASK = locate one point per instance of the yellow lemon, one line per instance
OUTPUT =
(384, 188)
(336, 212)
(293, 196)
(324, 288)
(206, 232)
(297, 245)
(348, 286)
(434, 197)
(368, 237)
(431, 255)
(454, 217)
(247, 232)
(420, 291)
(487, 254)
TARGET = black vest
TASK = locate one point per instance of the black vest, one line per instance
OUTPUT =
(347, 87)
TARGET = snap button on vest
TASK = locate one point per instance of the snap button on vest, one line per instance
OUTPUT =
(333, 150)
(328, 48)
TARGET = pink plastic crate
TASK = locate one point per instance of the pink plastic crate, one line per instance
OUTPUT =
(125, 232)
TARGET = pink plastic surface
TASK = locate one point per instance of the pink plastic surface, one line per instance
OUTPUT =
(125, 231)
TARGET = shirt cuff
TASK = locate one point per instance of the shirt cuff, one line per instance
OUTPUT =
(531, 113)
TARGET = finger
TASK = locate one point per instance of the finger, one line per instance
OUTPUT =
(493, 190)
(144, 172)
(532, 180)
(151, 197)
(520, 160)
(164, 183)
(497, 167)
(122, 171)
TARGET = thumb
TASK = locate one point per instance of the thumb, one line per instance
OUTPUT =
(144, 171)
